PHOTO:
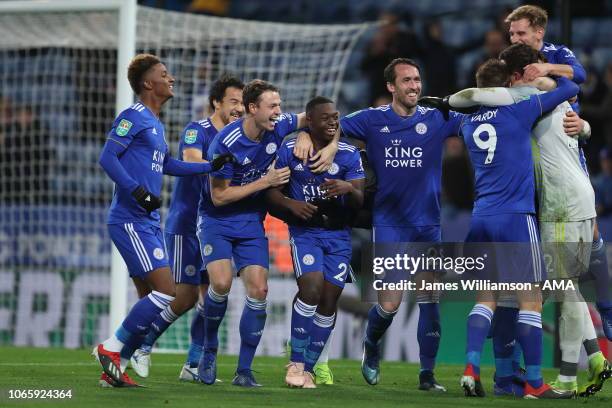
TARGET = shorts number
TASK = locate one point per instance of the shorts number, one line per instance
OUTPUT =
(488, 144)
(343, 268)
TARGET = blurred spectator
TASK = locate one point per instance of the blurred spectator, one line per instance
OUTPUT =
(595, 110)
(592, 92)
(501, 25)
(494, 43)
(382, 100)
(439, 62)
(390, 41)
(212, 7)
(602, 184)
(24, 155)
(457, 177)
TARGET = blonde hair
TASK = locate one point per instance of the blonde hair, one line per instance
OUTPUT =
(537, 16)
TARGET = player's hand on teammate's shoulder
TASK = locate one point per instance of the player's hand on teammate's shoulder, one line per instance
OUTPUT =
(319, 162)
(277, 177)
(222, 160)
(335, 187)
(147, 200)
(324, 158)
(302, 209)
(303, 147)
(434, 102)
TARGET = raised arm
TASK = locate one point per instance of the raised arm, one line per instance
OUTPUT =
(481, 96)
(495, 96)
(574, 72)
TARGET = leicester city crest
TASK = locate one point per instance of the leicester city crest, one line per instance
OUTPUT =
(333, 169)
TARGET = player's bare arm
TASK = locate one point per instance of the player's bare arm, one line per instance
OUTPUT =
(532, 71)
(222, 193)
(574, 125)
(544, 83)
(193, 155)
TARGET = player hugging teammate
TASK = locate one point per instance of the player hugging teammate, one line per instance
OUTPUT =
(566, 213)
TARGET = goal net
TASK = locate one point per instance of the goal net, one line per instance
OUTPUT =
(58, 87)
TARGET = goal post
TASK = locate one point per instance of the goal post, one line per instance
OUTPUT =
(126, 49)
(63, 75)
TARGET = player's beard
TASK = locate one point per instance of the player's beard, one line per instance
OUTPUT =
(409, 104)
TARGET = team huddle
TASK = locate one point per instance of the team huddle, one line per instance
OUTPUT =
(241, 163)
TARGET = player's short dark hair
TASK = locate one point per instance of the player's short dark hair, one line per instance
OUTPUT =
(253, 90)
(217, 91)
(537, 16)
(316, 101)
(389, 72)
(138, 67)
(518, 56)
(492, 73)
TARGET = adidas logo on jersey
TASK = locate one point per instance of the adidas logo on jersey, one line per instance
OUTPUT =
(154, 131)
(299, 167)
(385, 129)
(246, 161)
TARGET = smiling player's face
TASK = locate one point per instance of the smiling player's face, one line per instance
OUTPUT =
(407, 86)
(267, 111)
(231, 106)
(323, 121)
(522, 32)
(160, 82)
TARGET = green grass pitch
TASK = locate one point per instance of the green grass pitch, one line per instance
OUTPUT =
(32, 368)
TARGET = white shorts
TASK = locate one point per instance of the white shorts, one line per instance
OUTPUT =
(567, 247)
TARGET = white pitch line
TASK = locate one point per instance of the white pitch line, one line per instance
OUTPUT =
(83, 364)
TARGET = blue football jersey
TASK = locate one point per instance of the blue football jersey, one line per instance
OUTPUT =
(183, 211)
(406, 155)
(560, 54)
(142, 133)
(304, 184)
(252, 162)
(498, 140)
